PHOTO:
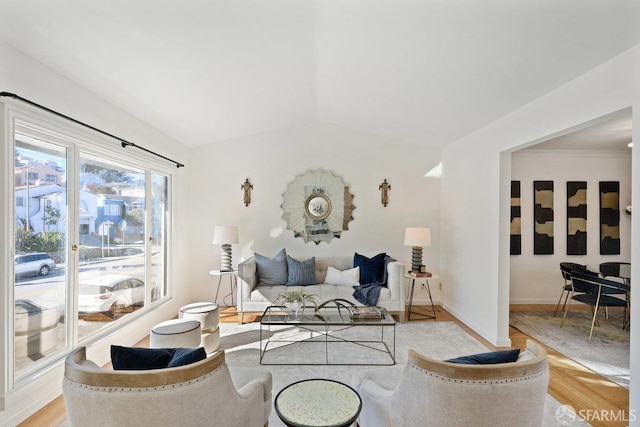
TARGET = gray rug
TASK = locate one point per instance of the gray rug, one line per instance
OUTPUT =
(435, 339)
(606, 354)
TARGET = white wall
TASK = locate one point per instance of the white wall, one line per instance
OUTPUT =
(536, 279)
(32, 80)
(475, 210)
(273, 160)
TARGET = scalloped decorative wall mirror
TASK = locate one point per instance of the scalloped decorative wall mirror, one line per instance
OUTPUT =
(317, 206)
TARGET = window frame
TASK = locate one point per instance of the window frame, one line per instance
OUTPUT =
(16, 117)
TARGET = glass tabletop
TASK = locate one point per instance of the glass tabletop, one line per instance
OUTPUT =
(279, 315)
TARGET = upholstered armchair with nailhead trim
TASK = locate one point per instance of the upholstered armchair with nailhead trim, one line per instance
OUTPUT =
(204, 393)
(429, 392)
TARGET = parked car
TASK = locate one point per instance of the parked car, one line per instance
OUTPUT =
(113, 294)
(33, 264)
(35, 327)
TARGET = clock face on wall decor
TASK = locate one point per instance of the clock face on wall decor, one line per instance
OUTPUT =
(317, 206)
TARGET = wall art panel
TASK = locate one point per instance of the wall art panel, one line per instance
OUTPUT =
(609, 217)
(543, 217)
(516, 230)
(576, 218)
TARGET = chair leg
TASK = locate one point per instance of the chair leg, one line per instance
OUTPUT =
(566, 309)
(559, 300)
(595, 314)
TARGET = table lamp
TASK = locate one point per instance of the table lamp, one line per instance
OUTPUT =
(417, 238)
(225, 235)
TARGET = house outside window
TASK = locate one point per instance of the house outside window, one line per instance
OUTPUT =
(78, 249)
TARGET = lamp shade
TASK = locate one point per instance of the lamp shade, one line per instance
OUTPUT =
(417, 236)
(225, 234)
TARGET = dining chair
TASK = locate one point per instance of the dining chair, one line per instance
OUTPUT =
(612, 268)
(565, 269)
(597, 292)
(620, 270)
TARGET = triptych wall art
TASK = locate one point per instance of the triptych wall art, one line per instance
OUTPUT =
(543, 218)
(516, 232)
(576, 218)
(610, 218)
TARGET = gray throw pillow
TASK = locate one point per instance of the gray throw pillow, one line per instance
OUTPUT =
(301, 273)
(272, 271)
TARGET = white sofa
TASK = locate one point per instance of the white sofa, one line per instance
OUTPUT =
(253, 298)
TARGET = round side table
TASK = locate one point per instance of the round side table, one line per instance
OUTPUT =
(318, 402)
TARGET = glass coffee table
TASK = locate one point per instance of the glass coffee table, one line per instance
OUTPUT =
(318, 402)
(328, 336)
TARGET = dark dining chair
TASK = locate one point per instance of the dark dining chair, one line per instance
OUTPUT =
(620, 270)
(611, 268)
(566, 268)
(597, 292)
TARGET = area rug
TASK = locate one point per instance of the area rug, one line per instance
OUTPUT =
(607, 353)
(435, 339)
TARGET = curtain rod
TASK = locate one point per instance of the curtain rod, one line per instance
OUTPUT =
(124, 142)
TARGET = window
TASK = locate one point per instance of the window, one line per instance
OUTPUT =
(97, 230)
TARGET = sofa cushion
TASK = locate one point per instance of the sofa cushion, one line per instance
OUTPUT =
(502, 356)
(272, 271)
(371, 269)
(301, 273)
(350, 277)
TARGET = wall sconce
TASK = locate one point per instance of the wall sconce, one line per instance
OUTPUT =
(247, 187)
(384, 188)
(417, 238)
(225, 236)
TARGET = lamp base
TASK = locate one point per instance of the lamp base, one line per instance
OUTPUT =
(416, 258)
(225, 258)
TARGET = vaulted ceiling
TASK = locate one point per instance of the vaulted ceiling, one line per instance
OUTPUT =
(420, 71)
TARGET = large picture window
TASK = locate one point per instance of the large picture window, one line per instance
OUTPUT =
(90, 233)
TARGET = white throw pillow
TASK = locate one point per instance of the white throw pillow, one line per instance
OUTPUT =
(349, 277)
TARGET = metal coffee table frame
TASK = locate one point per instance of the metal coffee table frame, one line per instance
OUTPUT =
(326, 324)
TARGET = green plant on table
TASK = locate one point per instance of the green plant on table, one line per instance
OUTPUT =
(296, 299)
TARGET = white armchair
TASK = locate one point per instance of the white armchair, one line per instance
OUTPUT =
(429, 392)
(205, 393)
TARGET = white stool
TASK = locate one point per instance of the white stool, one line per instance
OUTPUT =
(175, 333)
(208, 315)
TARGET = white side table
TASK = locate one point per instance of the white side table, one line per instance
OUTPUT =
(233, 282)
(425, 314)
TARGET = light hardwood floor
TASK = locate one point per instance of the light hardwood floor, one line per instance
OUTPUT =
(570, 383)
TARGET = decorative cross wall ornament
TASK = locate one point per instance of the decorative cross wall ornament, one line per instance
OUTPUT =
(247, 187)
(384, 188)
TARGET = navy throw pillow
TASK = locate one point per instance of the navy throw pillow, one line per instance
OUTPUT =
(137, 358)
(387, 260)
(502, 356)
(371, 269)
(186, 356)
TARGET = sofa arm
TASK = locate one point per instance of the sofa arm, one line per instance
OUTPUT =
(395, 280)
(247, 281)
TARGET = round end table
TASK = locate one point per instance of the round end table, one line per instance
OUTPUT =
(318, 402)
